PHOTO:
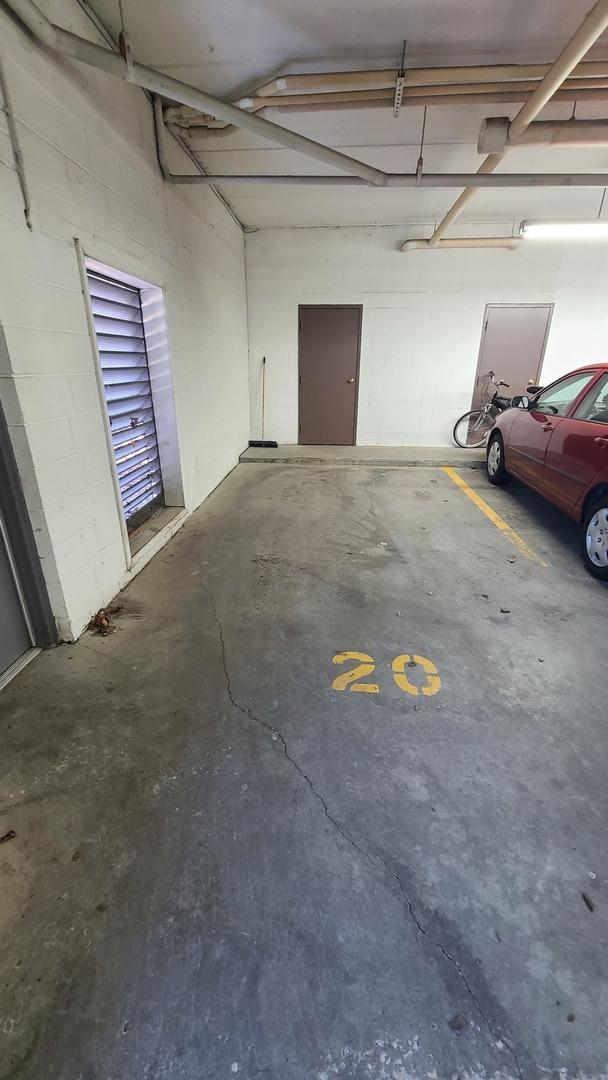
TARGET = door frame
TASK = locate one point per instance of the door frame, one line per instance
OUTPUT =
(21, 548)
(342, 307)
(484, 329)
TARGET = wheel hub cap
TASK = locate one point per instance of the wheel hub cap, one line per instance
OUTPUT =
(494, 458)
(597, 538)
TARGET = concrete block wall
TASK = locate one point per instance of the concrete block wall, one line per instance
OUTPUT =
(88, 145)
(422, 319)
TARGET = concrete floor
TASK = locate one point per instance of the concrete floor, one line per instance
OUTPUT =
(222, 866)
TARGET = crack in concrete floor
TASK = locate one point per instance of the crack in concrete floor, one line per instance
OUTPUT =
(277, 735)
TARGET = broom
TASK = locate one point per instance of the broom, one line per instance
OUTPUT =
(269, 444)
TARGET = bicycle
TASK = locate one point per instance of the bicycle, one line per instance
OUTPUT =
(473, 428)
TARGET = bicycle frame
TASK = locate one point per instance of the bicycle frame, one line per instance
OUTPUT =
(487, 410)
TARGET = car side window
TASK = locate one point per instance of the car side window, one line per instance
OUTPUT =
(558, 398)
(595, 406)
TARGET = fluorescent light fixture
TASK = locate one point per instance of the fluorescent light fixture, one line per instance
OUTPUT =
(564, 230)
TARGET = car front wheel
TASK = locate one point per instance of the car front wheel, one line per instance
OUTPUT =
(495, 461)
(595, 538)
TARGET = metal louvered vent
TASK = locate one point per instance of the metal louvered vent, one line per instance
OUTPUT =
(121, 344)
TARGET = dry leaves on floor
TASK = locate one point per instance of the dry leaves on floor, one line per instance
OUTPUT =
(102, 623)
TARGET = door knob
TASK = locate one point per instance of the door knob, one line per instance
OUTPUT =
(350, 380)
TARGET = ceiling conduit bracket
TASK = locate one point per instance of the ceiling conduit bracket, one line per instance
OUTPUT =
(399, 84)
(127, 55)
(420, 162)
(124, 47)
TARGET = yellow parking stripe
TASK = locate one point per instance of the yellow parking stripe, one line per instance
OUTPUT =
(495, 518)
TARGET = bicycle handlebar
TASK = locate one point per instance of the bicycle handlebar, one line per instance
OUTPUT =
(490, 375)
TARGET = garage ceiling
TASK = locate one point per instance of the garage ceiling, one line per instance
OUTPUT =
(227, 48)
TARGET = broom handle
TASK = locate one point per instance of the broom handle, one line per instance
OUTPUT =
(263, 392)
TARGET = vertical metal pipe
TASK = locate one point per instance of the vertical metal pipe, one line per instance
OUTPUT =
(16, 148)
(161, 145)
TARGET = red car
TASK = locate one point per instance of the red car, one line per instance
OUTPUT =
(557, 443)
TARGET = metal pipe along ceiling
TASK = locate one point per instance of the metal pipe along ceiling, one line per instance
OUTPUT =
(402, 180)
(411, 180)
(314, 91)
(494, 134)
(414, 93)
(357, 80)
(508, 242)
(511, 97)
(359, 172)
(191, 118)
(87, 52)
(392, 179)
(587, 34)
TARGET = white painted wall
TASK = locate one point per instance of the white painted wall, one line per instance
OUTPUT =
(422, 320)
(88, 144)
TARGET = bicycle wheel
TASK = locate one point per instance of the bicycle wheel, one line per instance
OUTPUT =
(473, 428)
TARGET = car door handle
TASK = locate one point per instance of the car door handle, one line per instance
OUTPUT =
(548, 426)
(601, 442)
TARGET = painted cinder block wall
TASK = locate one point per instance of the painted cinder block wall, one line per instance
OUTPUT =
(88, 145)
(423, 314)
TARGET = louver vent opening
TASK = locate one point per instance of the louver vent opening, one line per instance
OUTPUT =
(121, 343)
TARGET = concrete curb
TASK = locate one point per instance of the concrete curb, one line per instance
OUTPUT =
(385, 462)
(393, 458)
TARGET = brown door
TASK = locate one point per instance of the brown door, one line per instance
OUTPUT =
(512, 346)
(329, 340)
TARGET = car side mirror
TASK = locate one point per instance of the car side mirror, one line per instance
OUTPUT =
(523, 402)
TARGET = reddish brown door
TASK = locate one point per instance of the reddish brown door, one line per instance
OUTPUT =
(329, 340)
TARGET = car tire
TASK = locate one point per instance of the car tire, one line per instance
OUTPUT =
(595, 538)
(495, 461)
